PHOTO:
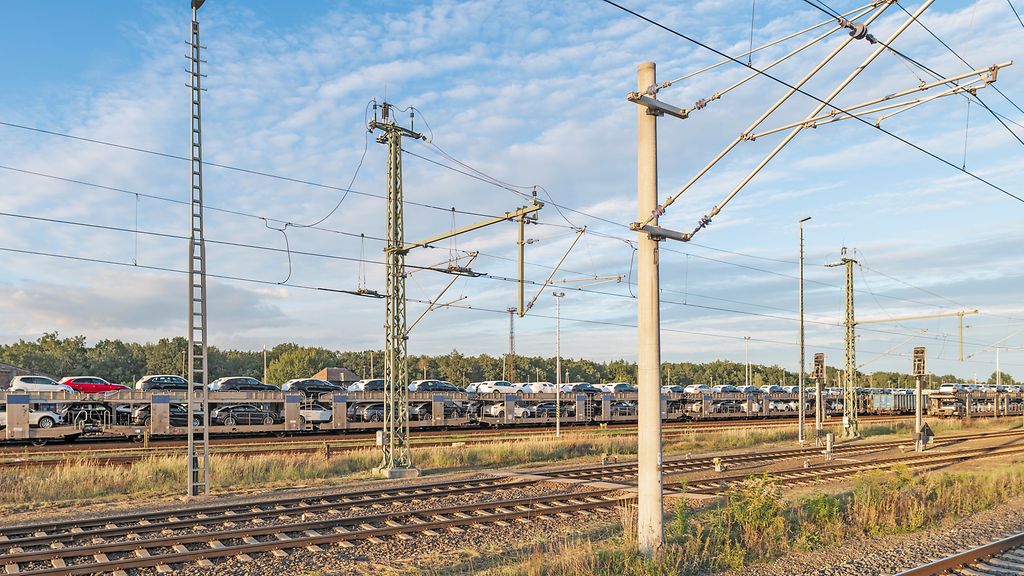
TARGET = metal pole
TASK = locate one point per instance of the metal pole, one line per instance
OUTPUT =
(197, 399)
(850, 382)
(511, 344)
(264, 363)
(999, 381)
(558, 363)
(650, 534)
(522, 265)
(819, 383)
(960, 334)
(746, 361)
(801, 412)
(396, 461)
(919, 371)
(850, 393)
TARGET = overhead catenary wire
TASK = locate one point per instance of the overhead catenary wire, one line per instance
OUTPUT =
(969, 96)
(421, 301)
(950, 49)
(689, 75)
(236, 169)
(363, 237)
(813, 97)
(1015, 13)
(362, 261)
(482, 275)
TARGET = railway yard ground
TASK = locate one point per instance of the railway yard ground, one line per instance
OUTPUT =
(534, 506)
(55, 475)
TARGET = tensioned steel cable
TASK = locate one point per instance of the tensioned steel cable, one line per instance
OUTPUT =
(815, 98)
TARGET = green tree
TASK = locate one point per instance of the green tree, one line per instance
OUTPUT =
(1005, 379)
(299, 363)
(166, 356)
(50, 354)
(454, 367)
(117, 361)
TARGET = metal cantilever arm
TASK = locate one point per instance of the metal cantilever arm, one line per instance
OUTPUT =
(704, 221)
(547, 282)
(520, 213)
(771, 109)
(986, 76)
(921, 317)
(430, 306)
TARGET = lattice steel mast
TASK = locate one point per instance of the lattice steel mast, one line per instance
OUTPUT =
(196, 396)
(397, 457)
(510, 373)
(850, 384)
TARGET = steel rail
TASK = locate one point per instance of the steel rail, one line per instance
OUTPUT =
(116, 456)
(838, 471)
(605, 471)
(11, 534)
(987, 555)
(263, 511)
(345, 530)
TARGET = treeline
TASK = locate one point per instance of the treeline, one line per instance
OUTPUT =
(126, 362)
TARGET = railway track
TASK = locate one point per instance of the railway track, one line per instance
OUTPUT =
(1000, 558)
(818, 474)
(209, 531)
(678, 465)
(219, 541)
(104, 454)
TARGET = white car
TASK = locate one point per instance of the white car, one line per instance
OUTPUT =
(950, 388)
(519, 410)
(313, 413)
(536, 387)
(367, 385)
(37, 419)
(502, 386)
(38, 384)
(617, 387)
(697, 389)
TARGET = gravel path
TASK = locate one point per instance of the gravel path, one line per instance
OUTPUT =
(883, 556)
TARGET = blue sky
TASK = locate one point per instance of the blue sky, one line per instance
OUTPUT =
(530, 93)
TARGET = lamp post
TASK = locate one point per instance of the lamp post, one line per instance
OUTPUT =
(558, 363)
(746, 361)
(801, 413)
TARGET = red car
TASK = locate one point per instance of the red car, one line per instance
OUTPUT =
(91, 384)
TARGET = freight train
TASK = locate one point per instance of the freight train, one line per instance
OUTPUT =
(41, 416)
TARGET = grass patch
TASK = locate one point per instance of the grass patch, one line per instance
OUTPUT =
(755, 524)
(82, 479)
